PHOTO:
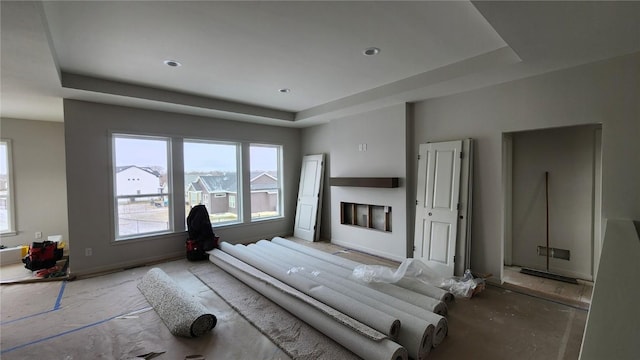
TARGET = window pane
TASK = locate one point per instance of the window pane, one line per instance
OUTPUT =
(141, 185)
(211, 179)
(266, 200)
(5, 189)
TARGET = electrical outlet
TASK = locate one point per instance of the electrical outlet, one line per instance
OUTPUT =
(38, 234)
(88, 251)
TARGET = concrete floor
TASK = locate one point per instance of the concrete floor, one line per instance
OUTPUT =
(82, 319)
(527, 318)
(578, 295)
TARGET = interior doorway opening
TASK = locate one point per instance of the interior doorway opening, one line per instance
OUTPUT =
(552, 210)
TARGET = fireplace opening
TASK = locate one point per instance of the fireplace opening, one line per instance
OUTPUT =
(375, 217)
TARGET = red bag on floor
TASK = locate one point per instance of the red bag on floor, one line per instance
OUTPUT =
(195, 250)
(42, 255)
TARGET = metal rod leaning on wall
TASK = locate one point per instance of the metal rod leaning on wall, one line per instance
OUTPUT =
(413, 285)
(361, 345)
(412, 297)
(372, 317)
(384, 302)
(415, 334)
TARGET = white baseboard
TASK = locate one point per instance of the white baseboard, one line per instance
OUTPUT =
(367, 250)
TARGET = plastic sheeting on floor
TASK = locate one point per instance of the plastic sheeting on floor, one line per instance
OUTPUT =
(83, 319)
(107, 317)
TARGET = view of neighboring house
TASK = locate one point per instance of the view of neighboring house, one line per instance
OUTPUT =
(219, 192)
(135, 180)
(264, 193)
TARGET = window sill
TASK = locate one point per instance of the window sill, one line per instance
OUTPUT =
(150, 237)
(266, 219)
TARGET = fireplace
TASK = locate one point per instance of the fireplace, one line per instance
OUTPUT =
(374, 217)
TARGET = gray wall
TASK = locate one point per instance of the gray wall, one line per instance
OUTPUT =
(87, 127)
(604, 93)
(568, 154)
(384, 131)
(40, 179)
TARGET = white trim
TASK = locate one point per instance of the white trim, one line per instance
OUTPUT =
(598, 233)
(368, 250)
(115, 221)
(280, 206)
(238, 171)
(507, 205)
(11, 215)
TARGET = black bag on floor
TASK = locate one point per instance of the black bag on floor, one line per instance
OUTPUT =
(201, 236)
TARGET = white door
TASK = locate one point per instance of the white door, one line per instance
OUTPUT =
(309, 196)
(437, 205)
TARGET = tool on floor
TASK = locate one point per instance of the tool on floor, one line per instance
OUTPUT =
(547, 274)
(150, 355)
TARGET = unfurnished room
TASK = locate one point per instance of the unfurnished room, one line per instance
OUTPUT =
(319, 180)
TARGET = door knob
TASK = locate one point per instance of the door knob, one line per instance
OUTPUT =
(430, 214)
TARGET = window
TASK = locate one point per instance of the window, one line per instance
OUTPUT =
(210, 177)
(7, 224)
(141, 169)
(232, 202)
(266, 181)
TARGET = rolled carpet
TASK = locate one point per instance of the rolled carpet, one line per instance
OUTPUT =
(180, 311)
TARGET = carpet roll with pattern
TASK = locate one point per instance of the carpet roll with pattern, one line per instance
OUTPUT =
(180, 311)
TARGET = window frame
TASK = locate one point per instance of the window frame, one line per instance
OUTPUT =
(280, 205)
(11, 209)
(176, 168)
(114, 190)
(239, 166)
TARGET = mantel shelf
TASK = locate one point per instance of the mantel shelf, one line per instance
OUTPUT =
(377, 182)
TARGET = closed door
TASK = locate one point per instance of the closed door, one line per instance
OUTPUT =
(437, 205)
(309, 195)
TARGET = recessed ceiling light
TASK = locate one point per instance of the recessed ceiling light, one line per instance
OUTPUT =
(284, 90)
(172, 63)
(371, 51)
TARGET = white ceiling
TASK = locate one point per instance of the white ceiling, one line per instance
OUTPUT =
(236, 55)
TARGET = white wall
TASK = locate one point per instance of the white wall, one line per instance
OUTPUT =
(568, 154)
(612, 325)
(40, 179)
(384, 133)
(604, 93)
(87, 127)
(134, 180)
